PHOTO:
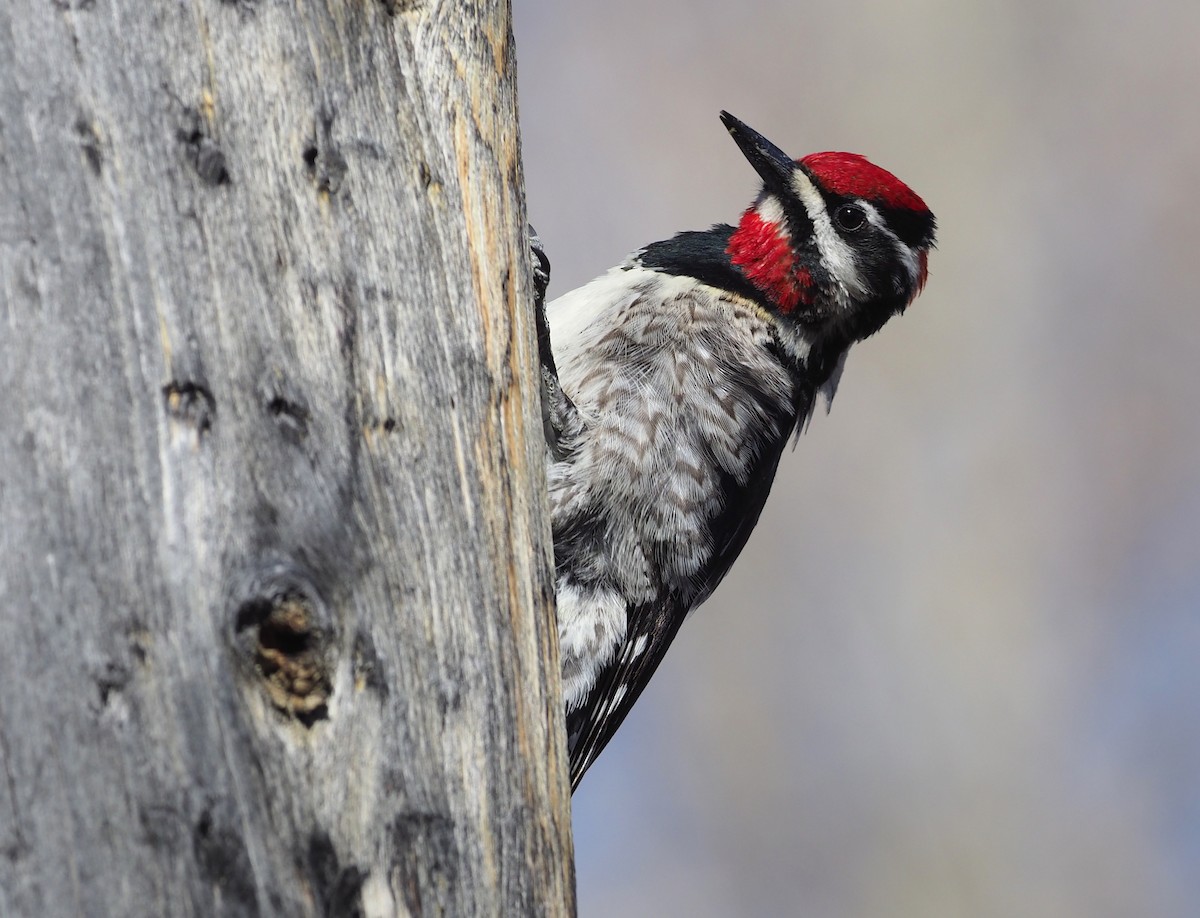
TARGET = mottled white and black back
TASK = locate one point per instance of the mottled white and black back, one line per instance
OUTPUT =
(685, 405)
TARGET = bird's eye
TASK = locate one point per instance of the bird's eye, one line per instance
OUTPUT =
(850, 217)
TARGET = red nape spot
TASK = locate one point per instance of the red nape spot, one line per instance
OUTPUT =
(857, 177)
(762, 250)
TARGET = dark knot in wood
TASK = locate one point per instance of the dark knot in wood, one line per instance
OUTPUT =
(190, 403)
(289, 649)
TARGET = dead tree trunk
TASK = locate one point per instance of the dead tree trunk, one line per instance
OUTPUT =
(275, 634)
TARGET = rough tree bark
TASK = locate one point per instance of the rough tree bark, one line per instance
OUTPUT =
(275, 634)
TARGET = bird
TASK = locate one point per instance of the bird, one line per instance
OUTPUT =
(671, 385)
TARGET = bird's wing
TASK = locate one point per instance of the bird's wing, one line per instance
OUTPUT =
(650, 630)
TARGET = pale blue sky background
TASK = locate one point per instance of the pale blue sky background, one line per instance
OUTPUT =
(957, 670)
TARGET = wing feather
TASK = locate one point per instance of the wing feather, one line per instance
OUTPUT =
(651, 629)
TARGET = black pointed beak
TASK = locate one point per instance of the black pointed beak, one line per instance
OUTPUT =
(768, 160)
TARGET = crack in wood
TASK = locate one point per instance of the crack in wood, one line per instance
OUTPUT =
(224, 861)
(338, 888)
(290, 416)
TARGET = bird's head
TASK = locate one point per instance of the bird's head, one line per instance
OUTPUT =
(832, 240)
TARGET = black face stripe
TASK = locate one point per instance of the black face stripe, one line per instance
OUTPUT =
(914, 228)
(799, 223)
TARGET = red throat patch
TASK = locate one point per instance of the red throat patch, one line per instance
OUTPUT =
(856, 176)
(764, 253)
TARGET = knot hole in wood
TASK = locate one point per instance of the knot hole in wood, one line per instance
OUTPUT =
(280, 631)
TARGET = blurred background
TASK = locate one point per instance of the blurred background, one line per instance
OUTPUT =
(957, 669)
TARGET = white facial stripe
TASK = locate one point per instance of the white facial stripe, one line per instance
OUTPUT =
(835, 252)
(771, 211)
(911, 261)
(873, 215)
(904, 252)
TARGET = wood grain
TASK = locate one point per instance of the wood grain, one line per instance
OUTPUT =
(275, 584)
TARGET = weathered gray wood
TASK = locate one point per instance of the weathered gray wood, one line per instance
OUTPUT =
(274, 569)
